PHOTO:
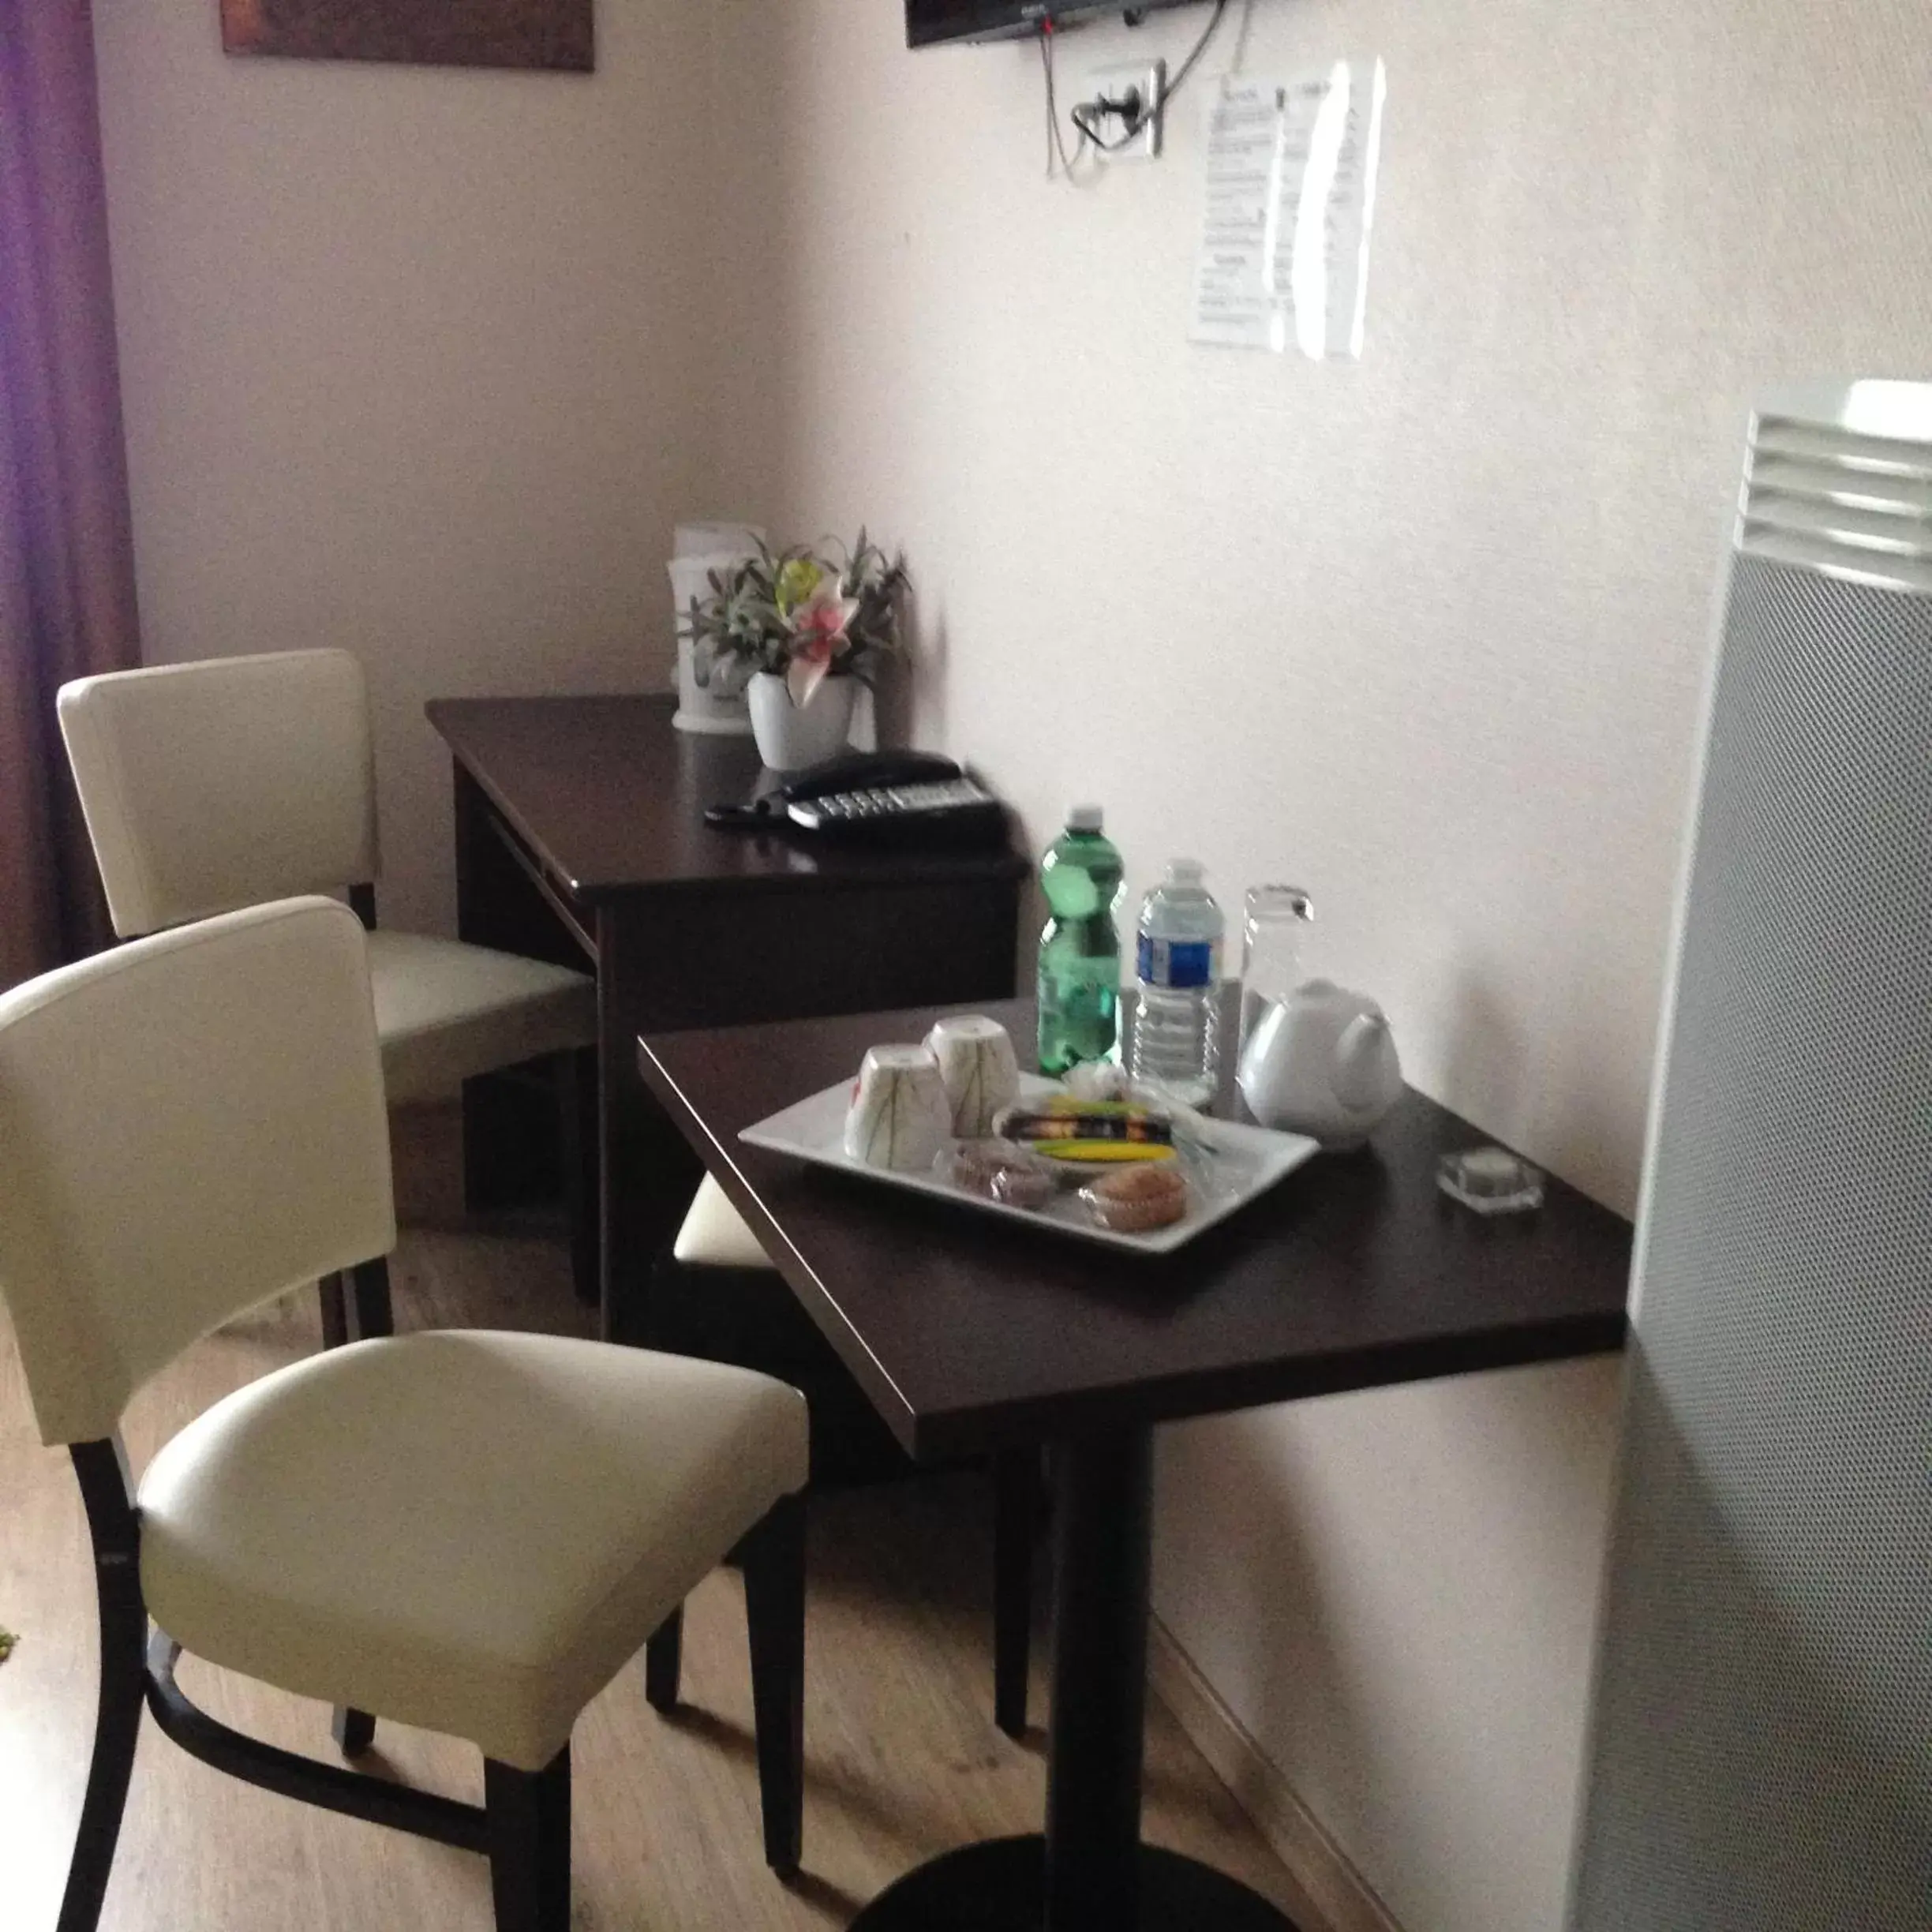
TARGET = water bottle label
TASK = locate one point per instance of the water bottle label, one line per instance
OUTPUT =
(1179, 964)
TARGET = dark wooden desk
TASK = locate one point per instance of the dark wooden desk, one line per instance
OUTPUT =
(969, 1333)
(580, 835)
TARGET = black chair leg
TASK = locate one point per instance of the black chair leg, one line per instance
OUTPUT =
(123, 1682)
(117, 1729)
(333, 1296)
(371, 1313)
(1016, 1496)
(664, 1662)
(356, 1306)
(577, 1108)
(364, 1300)
(353, 1730)
(529, 1844)
(774, 1577)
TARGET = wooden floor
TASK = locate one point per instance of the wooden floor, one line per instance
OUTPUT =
(902, 1758)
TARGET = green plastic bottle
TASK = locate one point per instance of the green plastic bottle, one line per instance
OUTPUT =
(1079, 955)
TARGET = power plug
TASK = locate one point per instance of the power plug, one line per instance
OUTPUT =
(1122, 109)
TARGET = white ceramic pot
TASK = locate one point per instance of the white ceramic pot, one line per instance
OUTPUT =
(1321, 1062)
(789, 737)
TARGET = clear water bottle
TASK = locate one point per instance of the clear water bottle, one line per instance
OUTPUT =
(1177, 1031)
(1079, 961)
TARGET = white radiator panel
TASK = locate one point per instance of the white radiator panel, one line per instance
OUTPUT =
(1761, 1754)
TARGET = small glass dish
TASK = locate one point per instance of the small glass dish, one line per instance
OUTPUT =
(1490, 1180)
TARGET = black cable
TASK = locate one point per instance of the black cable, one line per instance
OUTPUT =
(1174, 86)
(1056, 142)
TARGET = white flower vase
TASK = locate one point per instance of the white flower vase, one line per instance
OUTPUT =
(791, 736)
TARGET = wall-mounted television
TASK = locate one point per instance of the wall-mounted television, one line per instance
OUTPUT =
(930, 21)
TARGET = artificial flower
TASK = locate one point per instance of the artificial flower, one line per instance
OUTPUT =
(796, 582)
(818, 627)
(798, 614)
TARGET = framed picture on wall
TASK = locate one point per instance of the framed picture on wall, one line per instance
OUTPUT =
(446, 33)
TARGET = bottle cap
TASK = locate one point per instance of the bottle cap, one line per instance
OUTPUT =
(1084, 818)
(1185, 871)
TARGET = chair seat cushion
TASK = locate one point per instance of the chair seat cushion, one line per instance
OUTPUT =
(467, 1531)
(714, 1233)
(717, 1295)
(445, 1011)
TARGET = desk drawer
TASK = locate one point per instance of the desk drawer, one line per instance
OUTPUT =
(719, 959)
(508, 898)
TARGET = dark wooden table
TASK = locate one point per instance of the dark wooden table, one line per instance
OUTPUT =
(580, 837)
(972, 1334)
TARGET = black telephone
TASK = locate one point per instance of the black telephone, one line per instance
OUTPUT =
(902, 798)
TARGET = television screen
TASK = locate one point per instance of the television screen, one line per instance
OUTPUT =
(929, 21)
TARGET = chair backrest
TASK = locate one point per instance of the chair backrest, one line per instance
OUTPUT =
(189, 1125)
(214, 785)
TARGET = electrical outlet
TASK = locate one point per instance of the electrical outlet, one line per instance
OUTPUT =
(1122, 104)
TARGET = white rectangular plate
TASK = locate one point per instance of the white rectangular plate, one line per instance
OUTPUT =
(1244, 1162)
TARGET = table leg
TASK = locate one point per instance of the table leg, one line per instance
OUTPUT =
(1102, 1531)
(1090, 1873)
(1018, 1506)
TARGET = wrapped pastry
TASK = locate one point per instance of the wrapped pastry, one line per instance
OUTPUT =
(998, 1170)
(1133, 1199)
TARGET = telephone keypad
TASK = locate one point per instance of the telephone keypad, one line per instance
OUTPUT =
(910, 804)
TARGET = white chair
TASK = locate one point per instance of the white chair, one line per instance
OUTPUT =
(470, 1532)
(211, 786)
(717, 1258)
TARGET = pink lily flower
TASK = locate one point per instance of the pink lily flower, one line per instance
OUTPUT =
(819, 626)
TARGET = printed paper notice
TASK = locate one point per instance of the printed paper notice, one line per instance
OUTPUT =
(1232, 303)
(1312, 199)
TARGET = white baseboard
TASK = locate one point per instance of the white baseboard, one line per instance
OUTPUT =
(1345, 1899)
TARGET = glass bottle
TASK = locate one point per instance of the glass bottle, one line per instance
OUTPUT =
(1275, 925)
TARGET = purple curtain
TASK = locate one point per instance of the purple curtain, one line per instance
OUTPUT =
(66, 551)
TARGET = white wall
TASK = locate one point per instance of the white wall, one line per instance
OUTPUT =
(1425, 634)
(419, 361)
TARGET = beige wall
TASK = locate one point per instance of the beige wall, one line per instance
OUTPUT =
(418, 361)
(1425, 634)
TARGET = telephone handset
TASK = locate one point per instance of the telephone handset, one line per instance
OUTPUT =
(907, 799)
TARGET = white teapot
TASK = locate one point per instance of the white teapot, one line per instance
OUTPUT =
(1321, 1062)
